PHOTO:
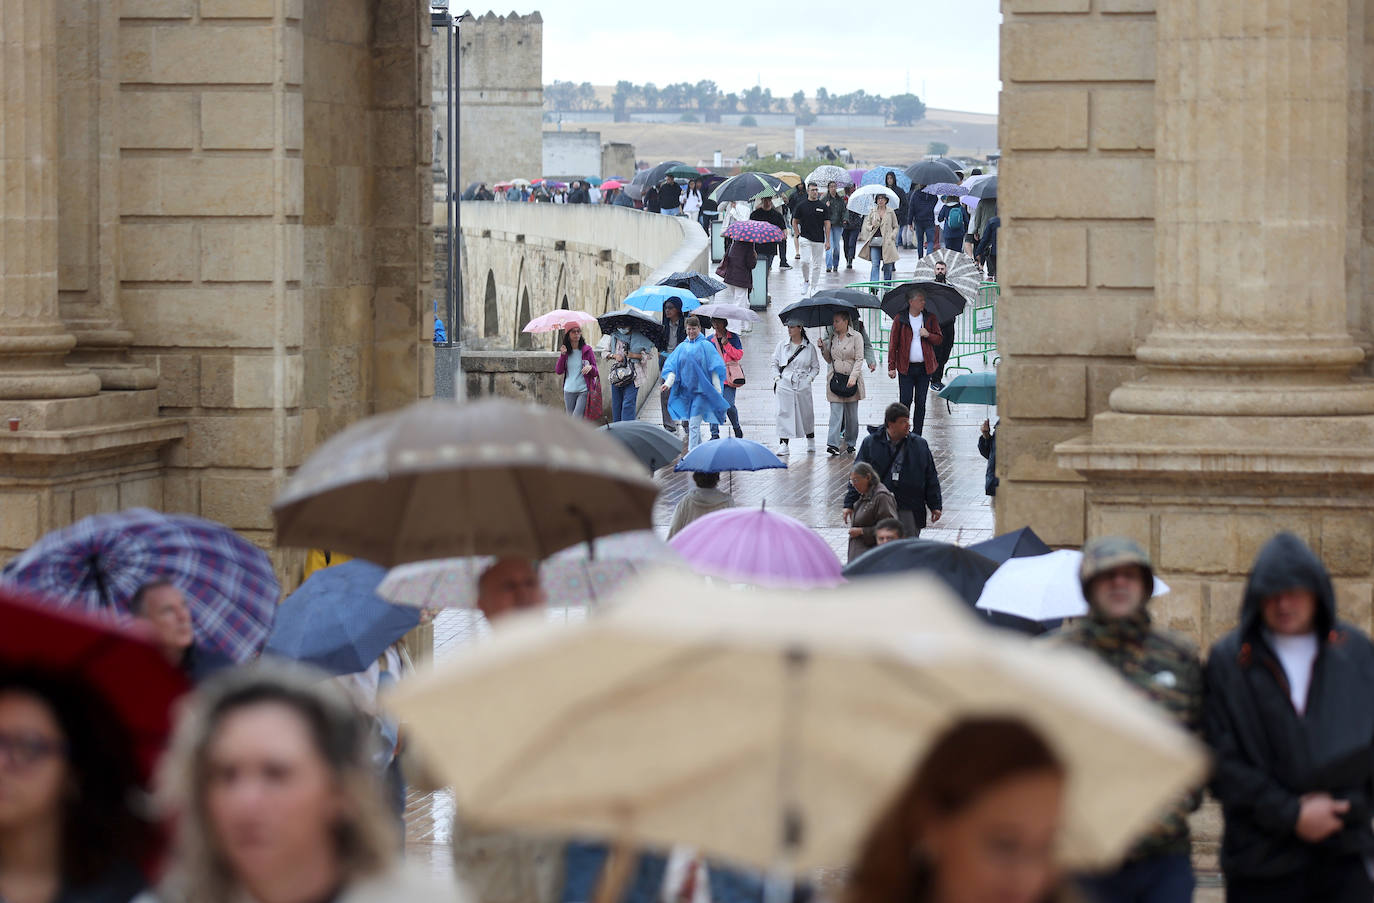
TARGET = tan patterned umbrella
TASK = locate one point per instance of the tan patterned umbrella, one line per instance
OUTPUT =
(963, 273)
(767, 727)
(440, 479)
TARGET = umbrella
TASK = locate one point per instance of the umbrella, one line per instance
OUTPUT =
(952, 164)
(527, 480)
(660, 172)
(560, 319)
(929, 172)
(593, 181)
(972, 388)
(470, 192)
(856, 176)
(696, 283)
(337, 622)
(654, 446)
(862, 203)
(713, 717)
(747, 186)
(755, 231)
(849, 296)
(723, 311)
(611, 185)
(99, 562)
(682, 171)
(942, 299)
(826, 173)
(521, 183)
(944, 189)
(754, 545)
(815, 311)
(792, 179)
(575, 576)
(964, 571)
(652, 298)
(1042, 588)
(730, 454)
(1022, 543)
(634, 320)
(985, 189)
(878, 176)
(118, 662)
(961, 271)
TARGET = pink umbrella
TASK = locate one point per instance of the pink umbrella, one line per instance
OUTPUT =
(611, 185)
(560, 319)
(754, 545)
(857, 175)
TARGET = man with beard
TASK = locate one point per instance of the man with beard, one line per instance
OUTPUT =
(946, 346)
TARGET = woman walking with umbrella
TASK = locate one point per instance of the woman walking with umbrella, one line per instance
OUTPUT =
(798, 365)
(845, 388)
(626, 358)
(878, 239)
(577, 365)
(737, 269)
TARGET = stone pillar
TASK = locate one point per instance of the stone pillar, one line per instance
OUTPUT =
(1251, 200)
(33, 342)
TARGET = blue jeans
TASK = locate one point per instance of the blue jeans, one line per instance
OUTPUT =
(877, 255)
(694, 431)
(1158, 879)
(671, 211)
(832, 256)
(583, 863)
(732, 413)
(912, 387)
(925, 239)
(623, 400)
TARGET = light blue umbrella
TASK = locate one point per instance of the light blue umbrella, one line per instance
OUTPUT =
(720, 455)
(878, 176)
(651, 298)
(337, 622)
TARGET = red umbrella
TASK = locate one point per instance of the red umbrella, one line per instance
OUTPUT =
(117, 662)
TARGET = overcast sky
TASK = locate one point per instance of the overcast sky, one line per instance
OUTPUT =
(841, 44)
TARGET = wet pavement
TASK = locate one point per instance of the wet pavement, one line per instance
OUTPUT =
(810, 489)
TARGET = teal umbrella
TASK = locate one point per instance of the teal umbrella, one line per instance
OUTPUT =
(972, 388)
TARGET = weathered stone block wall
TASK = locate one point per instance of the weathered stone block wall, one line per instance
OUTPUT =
(500, 60)
(1077, 202)
(525, 376)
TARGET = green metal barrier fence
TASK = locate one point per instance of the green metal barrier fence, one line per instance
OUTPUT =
(975, 337)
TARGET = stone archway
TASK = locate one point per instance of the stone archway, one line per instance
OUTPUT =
(524, 341)
(491, 313)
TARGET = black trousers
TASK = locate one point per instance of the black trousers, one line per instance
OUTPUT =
(943, 351)
(1341, 880)
(851, 243)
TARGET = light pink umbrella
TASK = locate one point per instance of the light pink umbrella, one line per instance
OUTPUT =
(560, 319)
(754, 545)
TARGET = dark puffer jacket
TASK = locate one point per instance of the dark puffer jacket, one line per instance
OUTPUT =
(1267, 755)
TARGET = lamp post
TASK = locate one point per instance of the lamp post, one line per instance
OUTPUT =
(448, 355)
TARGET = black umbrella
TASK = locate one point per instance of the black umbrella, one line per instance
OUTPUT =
(963, 570)
(470, 192)
(622, 200)
(660, 172)
(747, 186)
(854, 296)
(633, 320)
(942, 299)
(1022, 543)
(634, 189)
(952, 164)
(929, 172)
(649, 442)
(696, 283)
(816, 311)
(985, 189)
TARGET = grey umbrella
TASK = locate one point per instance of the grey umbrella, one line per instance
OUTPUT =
(439, 479)
(929, 172)
(654, 446)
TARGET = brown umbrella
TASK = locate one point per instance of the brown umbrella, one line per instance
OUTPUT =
(440, 479)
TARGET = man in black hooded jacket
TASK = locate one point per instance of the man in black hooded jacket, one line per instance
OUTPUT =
(905, 465)
(1289, 718)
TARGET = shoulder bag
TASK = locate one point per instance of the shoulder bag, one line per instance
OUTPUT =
(734, 370)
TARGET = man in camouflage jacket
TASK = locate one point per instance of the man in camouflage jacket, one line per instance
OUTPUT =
(1118, 581)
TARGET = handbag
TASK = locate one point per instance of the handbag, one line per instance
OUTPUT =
(734, 374)
(622, 373)
(594, 407)
(839, 384)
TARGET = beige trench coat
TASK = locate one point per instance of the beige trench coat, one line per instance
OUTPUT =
(888, 227)
(846, 356)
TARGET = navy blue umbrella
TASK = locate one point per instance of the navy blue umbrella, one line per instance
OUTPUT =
(1022, 543)
(696, 283)
(337, 622)
(719, 455)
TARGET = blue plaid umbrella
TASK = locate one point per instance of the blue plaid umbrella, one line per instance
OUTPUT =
(99, 562)
(651, 297)
(336, 620)
(878, 176)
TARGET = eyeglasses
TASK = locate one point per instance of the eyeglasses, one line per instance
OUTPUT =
(23, 751)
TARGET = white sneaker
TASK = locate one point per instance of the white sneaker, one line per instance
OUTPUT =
(782, 448)
(810, 446)
(806, 290)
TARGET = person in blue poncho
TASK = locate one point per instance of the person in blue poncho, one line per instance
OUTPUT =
(693, 375)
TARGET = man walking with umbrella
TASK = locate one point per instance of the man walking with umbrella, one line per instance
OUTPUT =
(162, 607)
(905, 465)
(1117, 582)
(911, 355)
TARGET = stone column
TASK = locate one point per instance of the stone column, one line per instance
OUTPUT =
(1251, 203)
(33, 342)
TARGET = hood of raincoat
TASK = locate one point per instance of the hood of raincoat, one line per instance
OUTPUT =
(1285, 562)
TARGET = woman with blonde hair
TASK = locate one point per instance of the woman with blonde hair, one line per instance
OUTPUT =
(271, 786)
(978, 820)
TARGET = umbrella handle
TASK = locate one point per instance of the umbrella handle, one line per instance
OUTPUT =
(615, 874)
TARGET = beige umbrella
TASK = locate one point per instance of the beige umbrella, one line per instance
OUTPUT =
(440, 479)
(767, 727)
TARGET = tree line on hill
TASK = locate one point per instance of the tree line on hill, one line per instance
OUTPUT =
(706, 101)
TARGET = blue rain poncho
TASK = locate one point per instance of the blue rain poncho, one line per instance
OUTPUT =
(697, 369)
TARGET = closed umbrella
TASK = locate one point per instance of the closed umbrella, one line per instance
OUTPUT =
(696, 283)
(730, 454)
(1042, 588)
(98, 563)
(530, 480)
(825, 174)
(961, 271)
(929, 172)
(651, 297)
(560, 320)
(878, 176)
(650, 443)
(815, 311)
(714, 717)
(862, 203)
(943, 300)
(337, 622)
(754, 545)
(1022, 543)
